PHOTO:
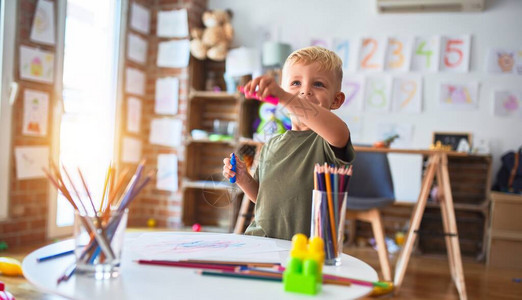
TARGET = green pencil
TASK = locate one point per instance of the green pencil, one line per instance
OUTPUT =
(239, 275)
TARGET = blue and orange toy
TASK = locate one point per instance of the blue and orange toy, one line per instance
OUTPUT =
(303, 273)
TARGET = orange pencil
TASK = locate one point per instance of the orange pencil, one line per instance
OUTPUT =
(330, 205)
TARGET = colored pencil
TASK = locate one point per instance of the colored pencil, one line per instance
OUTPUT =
(179, 264)
(235, 263)
(56, 255)
(240, 275)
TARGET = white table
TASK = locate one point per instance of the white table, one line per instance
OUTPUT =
(158, 282)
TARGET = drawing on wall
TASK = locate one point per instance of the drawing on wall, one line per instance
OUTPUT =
(377, 94)
(456, 96)
(167, 94)
(425, 56)
(140, 18)
(36, 65)
(135, 82)
(507, 103)
(131, 150)
(398, 54)
(353, 89)
(371, 54)
(407, 94)
(30, 161)
(133, 114)
(455, 52)
(137, 48)
(42, 30)
(501, 61)
(173, 54)
(36, 108)
(173, 23)
(167, 172)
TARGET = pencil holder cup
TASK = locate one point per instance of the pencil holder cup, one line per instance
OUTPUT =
(328, 218)
(99, 242)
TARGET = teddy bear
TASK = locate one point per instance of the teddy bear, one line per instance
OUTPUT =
(212, 41)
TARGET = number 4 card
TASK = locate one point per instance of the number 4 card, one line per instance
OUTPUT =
(455, 52)
(426, 54)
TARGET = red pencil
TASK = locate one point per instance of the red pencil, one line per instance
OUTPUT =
(193, 265)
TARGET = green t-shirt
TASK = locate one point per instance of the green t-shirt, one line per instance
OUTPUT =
(285, 175)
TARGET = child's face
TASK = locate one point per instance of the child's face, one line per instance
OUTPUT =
(312, 83)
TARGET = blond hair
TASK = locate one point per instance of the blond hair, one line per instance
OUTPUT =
(328, 60)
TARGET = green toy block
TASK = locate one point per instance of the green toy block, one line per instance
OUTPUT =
(302, 276)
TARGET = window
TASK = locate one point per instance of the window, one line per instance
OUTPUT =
(7, 40)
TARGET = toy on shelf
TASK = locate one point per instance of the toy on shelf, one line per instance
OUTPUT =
(386, 142)
(212, 41)
(272, 121)
(303, 273)
(439, 146)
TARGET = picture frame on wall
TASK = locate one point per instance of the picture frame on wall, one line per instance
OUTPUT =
(459, 141)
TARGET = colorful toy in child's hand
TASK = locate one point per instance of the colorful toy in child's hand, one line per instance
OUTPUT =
(233, 163)
(5, 295)
(270, 99)
(10, 266)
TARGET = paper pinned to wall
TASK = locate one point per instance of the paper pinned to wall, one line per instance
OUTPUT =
(133, 114)
(371, 54)
(42, 30)
(167, 94)
(36, 110)
(507, 103)
(167, 176)
(173, 23)
(501, 61)
(407, 94)
(458, 96)
(165, 132)
(136, 48)
(455, 53)
(406, 172)
(404, 131)
(174, 54)
(140, 18)
(398, 53)
(426, 54)
(36, 65)
(30, 161)
(377, 94)
(353, 89)
(131, 150)
(135, 82)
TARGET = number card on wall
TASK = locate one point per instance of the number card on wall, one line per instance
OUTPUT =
(377, 94)
(167, 172)
(407, 94)
(167, 94)
(321, 42)
(457, 96)
(136, 48)
(507, 103)
(131, 150)
(371, 54)
(342, 48)
(353, 89)
(398, 54)
(455, 52)
(425, 55)
(140, 18)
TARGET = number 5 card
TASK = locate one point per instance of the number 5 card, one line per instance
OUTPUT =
(455, 52)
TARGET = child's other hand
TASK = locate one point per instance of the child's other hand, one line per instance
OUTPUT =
(241, 169)
(264, 86)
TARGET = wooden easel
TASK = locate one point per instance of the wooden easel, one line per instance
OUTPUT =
(437, 168)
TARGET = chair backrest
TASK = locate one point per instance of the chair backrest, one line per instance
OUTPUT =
(371, 184)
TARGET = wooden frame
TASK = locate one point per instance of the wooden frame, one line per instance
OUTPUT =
(451, 138)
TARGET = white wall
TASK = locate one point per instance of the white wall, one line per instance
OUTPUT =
(500, 25)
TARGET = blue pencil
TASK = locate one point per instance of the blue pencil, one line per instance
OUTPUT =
(48, 257)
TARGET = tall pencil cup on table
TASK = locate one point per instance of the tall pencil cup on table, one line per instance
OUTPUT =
(329, 209)
(101, 260)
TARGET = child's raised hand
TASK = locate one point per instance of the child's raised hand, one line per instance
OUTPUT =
(264, 86)
(241, 170)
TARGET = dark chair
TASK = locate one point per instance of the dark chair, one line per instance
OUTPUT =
(371, 187)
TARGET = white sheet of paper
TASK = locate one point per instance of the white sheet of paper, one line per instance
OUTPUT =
(377, 94)
(507, 103)
(42, 30)
(455, 53)
(518, 62)
(242, 61)
(371, 54)
(173, 23)
(501, 61)
(174, 54)
(165, 132)
(398, 54)
(406, 172)
(136, 48)
(167, 176)
(135, 82)
(30, 161)
(36, 65)
(344, 48)
(36, 110)
(458, 96)
(131, 152)
(407, 94)
(178, 246)
(353, 89)
(133, 114)
(426, 55)
(140, 18)
(167, 95)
